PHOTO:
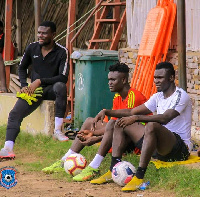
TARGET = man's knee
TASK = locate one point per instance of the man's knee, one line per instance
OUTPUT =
(60, 87)
(117, 128)
(14, 116)
(11, 115)
(89, 120)
(151, 127)
(110, 126)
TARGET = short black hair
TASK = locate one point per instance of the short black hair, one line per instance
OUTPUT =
(50, 24)
(166, 65)
(1, 24)
(120, 67)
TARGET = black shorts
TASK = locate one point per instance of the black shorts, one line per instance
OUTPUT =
(180, 151)
(135, 147)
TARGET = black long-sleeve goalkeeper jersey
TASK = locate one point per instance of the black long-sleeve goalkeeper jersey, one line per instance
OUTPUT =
(49, 69)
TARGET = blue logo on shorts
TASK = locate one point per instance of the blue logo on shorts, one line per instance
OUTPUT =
(8, 177)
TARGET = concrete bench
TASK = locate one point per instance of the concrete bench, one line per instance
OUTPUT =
(195, 133)
(40, 121)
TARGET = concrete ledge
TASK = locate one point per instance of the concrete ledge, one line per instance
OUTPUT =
(195, 133)
(40, 121)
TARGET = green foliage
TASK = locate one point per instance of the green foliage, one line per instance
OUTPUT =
(44, 150)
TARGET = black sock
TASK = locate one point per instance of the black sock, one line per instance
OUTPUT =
(114, 161)
(140, 172)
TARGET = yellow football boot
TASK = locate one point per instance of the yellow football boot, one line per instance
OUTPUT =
(107, 177)
(133, 185)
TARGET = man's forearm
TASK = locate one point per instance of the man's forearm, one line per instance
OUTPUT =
(118, 113)
(53, 80)
(160, 118)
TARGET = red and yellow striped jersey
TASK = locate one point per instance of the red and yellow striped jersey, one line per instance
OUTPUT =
(133, 99)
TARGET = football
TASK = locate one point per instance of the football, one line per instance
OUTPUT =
(74, 164)
(123, 172)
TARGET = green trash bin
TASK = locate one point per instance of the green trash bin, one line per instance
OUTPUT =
(92, 93)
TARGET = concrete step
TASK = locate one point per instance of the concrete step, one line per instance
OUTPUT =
(40, 121)
(195, 133)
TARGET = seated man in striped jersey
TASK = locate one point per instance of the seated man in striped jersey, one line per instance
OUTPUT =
(126, 97)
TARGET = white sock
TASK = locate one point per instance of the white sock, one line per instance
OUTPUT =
(69, 152)
(9, 145)
(96, 162)
(58, 123)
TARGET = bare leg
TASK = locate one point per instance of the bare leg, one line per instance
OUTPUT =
(156, 137)
(122, 137)
(119, 139)
(93, 168)
(106, 142)
(77, 146)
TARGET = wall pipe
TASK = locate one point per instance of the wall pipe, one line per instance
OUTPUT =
(181, 39)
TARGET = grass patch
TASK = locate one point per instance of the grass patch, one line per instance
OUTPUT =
(44, 151)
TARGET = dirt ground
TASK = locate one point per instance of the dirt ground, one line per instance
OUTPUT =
(35, 184)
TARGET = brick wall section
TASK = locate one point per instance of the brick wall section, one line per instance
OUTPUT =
(129, 56)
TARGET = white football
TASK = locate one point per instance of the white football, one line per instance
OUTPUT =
(74, 164)
(123, 172)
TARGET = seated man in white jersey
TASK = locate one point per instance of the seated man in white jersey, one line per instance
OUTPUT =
(168, 133)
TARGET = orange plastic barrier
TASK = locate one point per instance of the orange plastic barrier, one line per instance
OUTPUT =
(154, 45)
(153, 28)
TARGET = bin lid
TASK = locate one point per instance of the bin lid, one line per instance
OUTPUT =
(95, 54)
